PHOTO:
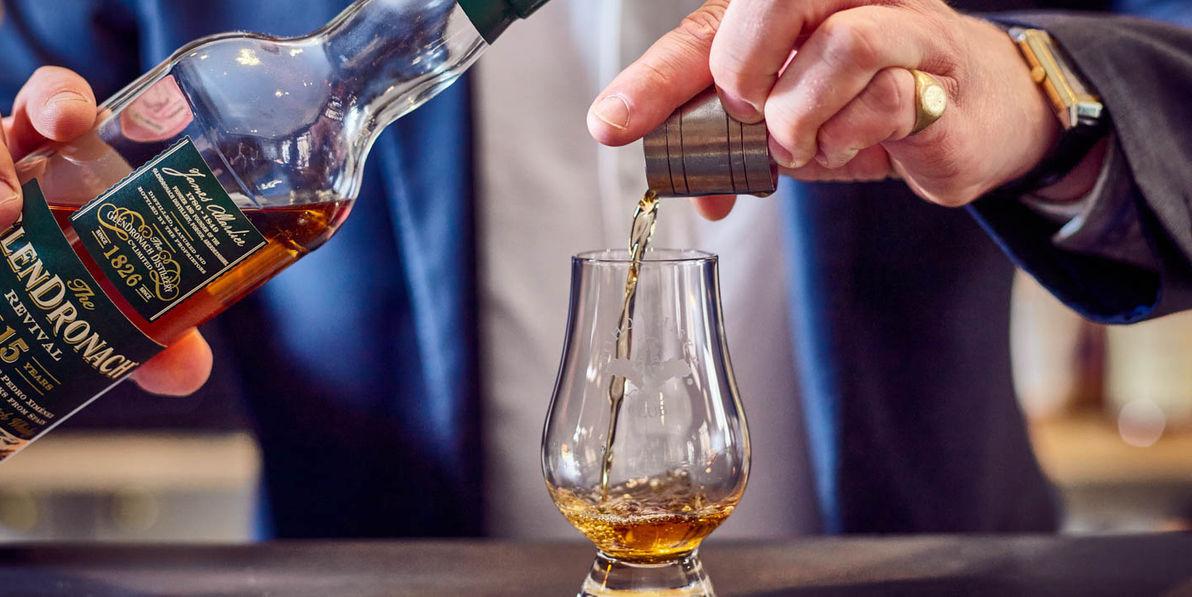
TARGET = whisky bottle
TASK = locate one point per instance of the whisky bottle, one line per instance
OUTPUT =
(200, 181)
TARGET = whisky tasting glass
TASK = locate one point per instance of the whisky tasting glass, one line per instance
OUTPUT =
(679, 447)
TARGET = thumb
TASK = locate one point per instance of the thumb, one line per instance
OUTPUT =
(55, 104)
(671, 72)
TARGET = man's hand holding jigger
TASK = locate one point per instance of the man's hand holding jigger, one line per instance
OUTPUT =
(854, 90)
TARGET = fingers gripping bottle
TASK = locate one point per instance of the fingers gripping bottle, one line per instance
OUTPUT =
(200, 181)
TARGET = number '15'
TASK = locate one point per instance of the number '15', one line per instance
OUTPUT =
(11, 351)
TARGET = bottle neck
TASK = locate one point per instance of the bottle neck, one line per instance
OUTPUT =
(390, 56)
(492, 17)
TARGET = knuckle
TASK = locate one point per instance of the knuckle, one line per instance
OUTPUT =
(791, 111)
(885, 94)
(728, 71)
(723, 61)
(9, 178)
(699, 28)
(661, 74)
(852, 41)
(833, 137)
(692, 39)
(783, 127)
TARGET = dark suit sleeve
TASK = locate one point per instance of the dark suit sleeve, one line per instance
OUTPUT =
(1143, 72)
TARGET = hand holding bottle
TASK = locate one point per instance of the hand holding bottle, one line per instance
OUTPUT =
(192, 186)
(57, 106)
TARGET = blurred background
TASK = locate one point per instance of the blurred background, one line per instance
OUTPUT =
(1109, 409)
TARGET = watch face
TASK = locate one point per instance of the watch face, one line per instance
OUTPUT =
(1073, 104)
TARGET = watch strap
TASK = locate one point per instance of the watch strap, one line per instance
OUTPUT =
(1073, 146)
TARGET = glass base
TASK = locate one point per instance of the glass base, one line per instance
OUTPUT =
(682, 577)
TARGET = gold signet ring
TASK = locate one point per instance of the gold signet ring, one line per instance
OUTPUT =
(930, 100)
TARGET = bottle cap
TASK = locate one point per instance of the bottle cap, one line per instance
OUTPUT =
(700, 150)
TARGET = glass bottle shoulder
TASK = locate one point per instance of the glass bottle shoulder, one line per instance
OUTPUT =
(281, 122)
(276, 114)
(265, 114)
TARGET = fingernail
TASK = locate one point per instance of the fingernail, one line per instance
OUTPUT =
(613, 111)
(848, 156)
(10, 210)
(802, 159)
(741, 109)
(837, 160)
(66, 96)
(822, 158)
(782, 156)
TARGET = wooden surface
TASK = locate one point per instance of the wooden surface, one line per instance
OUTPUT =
(1123, 565)
(1085, 448)
(94, 461)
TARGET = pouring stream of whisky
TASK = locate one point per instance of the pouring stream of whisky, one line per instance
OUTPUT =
(639, 240)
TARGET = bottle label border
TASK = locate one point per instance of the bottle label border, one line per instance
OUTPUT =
(166, 231)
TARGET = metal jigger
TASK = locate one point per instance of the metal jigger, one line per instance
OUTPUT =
(702, 151)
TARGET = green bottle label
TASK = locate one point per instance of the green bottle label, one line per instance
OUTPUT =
(166, 232)
(62, 341)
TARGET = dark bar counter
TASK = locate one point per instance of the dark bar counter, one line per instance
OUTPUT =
(1131, 565)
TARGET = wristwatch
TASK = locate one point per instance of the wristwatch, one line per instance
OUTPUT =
(1082, 116)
